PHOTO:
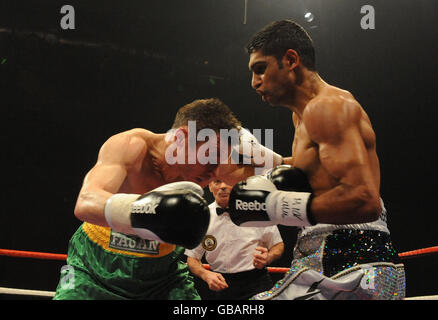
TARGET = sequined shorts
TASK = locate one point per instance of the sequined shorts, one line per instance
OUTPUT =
(343, 264)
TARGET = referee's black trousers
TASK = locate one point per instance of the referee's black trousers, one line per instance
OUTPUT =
(244, 285)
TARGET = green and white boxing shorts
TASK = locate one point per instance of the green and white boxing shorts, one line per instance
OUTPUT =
(104, 264)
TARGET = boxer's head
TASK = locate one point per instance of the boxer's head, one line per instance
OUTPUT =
(277, 52)
(196, 136)
(208, 113)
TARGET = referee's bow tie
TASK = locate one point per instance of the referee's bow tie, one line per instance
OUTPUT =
(220, 210)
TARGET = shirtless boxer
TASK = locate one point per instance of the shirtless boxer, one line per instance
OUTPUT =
(332, 188)
(140, 212)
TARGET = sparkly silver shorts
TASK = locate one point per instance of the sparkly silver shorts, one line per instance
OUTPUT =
(342, 265)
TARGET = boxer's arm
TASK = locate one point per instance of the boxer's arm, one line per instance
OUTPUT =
(247, 158)
(288, 160)
(343, 155)
(117, 155)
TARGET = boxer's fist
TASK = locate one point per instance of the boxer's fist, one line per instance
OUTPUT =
(250, 151)
(174, 216)
(257, 202)
(288, 178)
(247, 202)
(174, 213)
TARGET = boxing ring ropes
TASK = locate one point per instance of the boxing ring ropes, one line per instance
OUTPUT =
(62, 257)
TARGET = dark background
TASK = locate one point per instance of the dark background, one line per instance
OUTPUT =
(134, 63)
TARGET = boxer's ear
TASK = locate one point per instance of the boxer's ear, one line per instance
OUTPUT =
(291, 59)
(184, 129)
(181, 134)
(170, 135)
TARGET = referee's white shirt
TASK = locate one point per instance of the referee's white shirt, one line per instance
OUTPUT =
(229, 248)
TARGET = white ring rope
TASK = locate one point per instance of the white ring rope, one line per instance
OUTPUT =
(423, 298)
(26, 292)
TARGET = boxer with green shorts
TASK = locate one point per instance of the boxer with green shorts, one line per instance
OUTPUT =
(104, 264)
(141, 210)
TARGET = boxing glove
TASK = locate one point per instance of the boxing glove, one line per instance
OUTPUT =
(288, 178)
(250, 151)
(257, 202)
(174, 213)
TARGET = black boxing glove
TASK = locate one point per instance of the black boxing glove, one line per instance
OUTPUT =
(257, 202)
(288, 178)
(174, 213)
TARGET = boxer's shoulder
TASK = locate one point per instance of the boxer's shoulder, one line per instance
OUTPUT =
(333, 102)
(136, 135)
(328, 115)
(123, 138)
(127, 146)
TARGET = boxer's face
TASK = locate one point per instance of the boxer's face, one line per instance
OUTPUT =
(270, 80)
(206, 157)
(199, 173)
(221, 192)
(199, 159)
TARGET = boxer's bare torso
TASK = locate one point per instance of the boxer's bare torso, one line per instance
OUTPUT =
(334, 141)
(307, 152)
(335, 145)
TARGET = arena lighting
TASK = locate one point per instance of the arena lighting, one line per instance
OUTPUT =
(309, 16)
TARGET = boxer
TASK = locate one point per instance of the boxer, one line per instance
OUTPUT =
(335, 147)
(140, 211)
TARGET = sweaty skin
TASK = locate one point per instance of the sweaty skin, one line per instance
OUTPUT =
(132, 162)
(334, 141)
(135, 162)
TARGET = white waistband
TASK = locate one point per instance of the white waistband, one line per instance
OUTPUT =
(379, 225)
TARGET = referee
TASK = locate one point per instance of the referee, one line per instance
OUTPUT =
(237, 256)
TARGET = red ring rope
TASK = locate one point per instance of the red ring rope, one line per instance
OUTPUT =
(32, 254)
(419, 252)
(63, 257)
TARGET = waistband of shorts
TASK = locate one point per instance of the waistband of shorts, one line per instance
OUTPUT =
(325, 228)
(343, 249)
(126, 275)
(82, 250)
(124, 244)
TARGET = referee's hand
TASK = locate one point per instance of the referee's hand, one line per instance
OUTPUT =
(260, 258)
(215, 281)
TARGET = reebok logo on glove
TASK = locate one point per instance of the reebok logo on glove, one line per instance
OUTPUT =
(148, 208)
(251, 205)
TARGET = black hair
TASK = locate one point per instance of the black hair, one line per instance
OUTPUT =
(279, 36)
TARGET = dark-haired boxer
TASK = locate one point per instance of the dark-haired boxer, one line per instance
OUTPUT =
(141, 209)
(344, 250)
